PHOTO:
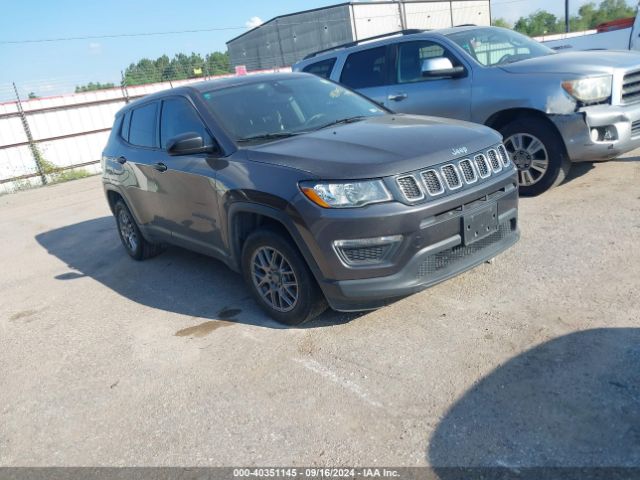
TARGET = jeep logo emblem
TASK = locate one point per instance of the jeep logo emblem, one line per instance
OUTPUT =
(459, 151)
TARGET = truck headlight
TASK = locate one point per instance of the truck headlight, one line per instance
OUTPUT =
(346, 194)
(589, 90)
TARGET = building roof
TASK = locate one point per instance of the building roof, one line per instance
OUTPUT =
(328, 7)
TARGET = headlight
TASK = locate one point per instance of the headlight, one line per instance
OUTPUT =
(346, 194)
(589, 90)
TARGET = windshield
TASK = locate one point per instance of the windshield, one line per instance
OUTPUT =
(271, 109)
(498, 46)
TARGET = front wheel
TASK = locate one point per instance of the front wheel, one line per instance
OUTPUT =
(538, 152)
(279, 278)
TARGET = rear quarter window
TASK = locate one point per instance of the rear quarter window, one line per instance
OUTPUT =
(322, 69)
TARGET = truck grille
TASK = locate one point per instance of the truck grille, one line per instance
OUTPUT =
(461, 253)
(416, 186)
(635, 129)
(631, 87)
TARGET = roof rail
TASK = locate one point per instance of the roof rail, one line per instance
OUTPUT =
(357, 42)
(466, 25)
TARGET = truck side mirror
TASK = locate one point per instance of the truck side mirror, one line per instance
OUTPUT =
(441, 67)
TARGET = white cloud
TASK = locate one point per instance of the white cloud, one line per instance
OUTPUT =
(95, 48)
(254, 22)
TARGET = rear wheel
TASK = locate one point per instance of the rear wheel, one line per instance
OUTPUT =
(279, 278)
(538, 152)
(131, 237)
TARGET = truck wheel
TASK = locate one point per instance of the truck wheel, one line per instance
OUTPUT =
(279, 279)
(538, 152)
(131, 237)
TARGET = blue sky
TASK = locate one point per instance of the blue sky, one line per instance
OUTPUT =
(56, 67)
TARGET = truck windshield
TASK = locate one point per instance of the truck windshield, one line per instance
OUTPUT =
(498, 46)
(271, 109)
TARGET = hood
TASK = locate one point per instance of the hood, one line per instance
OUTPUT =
(580, 63)
(376, 147)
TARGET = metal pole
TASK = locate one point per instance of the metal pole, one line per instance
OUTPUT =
(123, 87)
(37, 156)
(566, 16)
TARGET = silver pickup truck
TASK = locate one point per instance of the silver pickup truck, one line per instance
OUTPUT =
(552, 108)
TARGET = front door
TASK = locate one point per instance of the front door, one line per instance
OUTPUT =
(187, 182)
(414, 94)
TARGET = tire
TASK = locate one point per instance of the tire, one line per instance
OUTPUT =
(279, 278)
(132, 240)
(539, 153)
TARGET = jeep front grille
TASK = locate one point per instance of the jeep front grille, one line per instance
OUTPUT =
(496, 165)
(631, 87)
(432, 182)
(468, 172)
(410, 189)
(482, 164)
(504, 156)
(451, 176)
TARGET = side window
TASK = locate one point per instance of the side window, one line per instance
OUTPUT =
(124, 132)
(412, 54)
(178, 117)
(322, 69)
(365, 69)
(142, 131)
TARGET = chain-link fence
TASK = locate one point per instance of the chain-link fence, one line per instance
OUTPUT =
(51, 139)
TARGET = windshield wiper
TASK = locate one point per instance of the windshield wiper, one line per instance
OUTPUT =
(343, 121)
(267, 136)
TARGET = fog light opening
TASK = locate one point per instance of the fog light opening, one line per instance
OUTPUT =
(604, 134)
(366, 251)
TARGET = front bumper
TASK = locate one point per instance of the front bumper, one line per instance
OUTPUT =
(576, 131)
(432, 250)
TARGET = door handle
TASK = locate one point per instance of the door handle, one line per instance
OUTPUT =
(122, 160)
(397, 97)
(161, 167)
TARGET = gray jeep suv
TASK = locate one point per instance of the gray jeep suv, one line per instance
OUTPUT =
(552, 109)
(313, 192)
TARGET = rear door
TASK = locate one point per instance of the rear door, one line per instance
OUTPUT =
(368, 72)
(441, 96)
(188, 183)
(137, 174)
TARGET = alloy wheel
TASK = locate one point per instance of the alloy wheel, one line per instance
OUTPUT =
(127, 230)
(274, 279)
(529, 154)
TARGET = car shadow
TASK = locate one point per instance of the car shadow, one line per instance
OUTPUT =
(571, 402)
(579, 169)
(177, 281)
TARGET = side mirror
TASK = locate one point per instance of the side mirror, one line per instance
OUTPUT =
(441, 67)
(188, 143)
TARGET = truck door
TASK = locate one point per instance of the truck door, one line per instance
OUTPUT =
(367, 71)
(410, 92)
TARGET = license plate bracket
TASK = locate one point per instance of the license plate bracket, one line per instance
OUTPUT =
(480, 224)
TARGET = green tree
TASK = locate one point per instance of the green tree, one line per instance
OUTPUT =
(180, 67)
(32, 95)
(538, 23)
(589, 16)
(91, 87)
(501, 22)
